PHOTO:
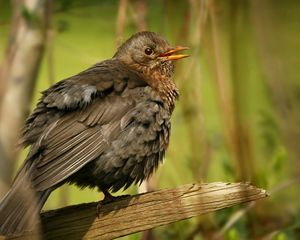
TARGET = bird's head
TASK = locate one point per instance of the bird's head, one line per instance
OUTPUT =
(149, 53)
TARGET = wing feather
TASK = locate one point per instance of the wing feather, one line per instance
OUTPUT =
(71, 143)
(71, 160)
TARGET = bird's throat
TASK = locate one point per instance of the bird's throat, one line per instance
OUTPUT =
(166, 89)
(162, 83)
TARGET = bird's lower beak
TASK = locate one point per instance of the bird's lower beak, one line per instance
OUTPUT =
(170, 54)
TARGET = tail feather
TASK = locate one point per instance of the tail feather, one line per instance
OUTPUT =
(20, 207)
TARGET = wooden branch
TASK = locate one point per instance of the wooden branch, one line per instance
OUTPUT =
(144, 211)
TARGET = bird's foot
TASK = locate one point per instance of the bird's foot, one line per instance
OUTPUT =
(108, 198)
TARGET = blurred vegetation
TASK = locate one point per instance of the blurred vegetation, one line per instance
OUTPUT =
(238, 116)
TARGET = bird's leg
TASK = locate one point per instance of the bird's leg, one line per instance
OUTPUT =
(108, 198)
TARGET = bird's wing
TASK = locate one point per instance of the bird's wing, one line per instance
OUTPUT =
(77, 138)
(76, 93)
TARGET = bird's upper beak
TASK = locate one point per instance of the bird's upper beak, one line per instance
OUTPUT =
(170, 54)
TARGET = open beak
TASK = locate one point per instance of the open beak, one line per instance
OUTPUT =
(171, 54)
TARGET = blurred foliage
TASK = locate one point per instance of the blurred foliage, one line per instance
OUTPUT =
(238, 116)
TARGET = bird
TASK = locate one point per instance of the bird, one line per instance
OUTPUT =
(107, 127)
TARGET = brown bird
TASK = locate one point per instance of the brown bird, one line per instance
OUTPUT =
(106, 127)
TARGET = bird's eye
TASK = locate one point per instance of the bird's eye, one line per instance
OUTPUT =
(148, 51)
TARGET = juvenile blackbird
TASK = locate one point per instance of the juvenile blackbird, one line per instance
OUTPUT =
(106, 127)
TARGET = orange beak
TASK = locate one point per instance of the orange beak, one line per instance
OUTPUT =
(170, 54)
